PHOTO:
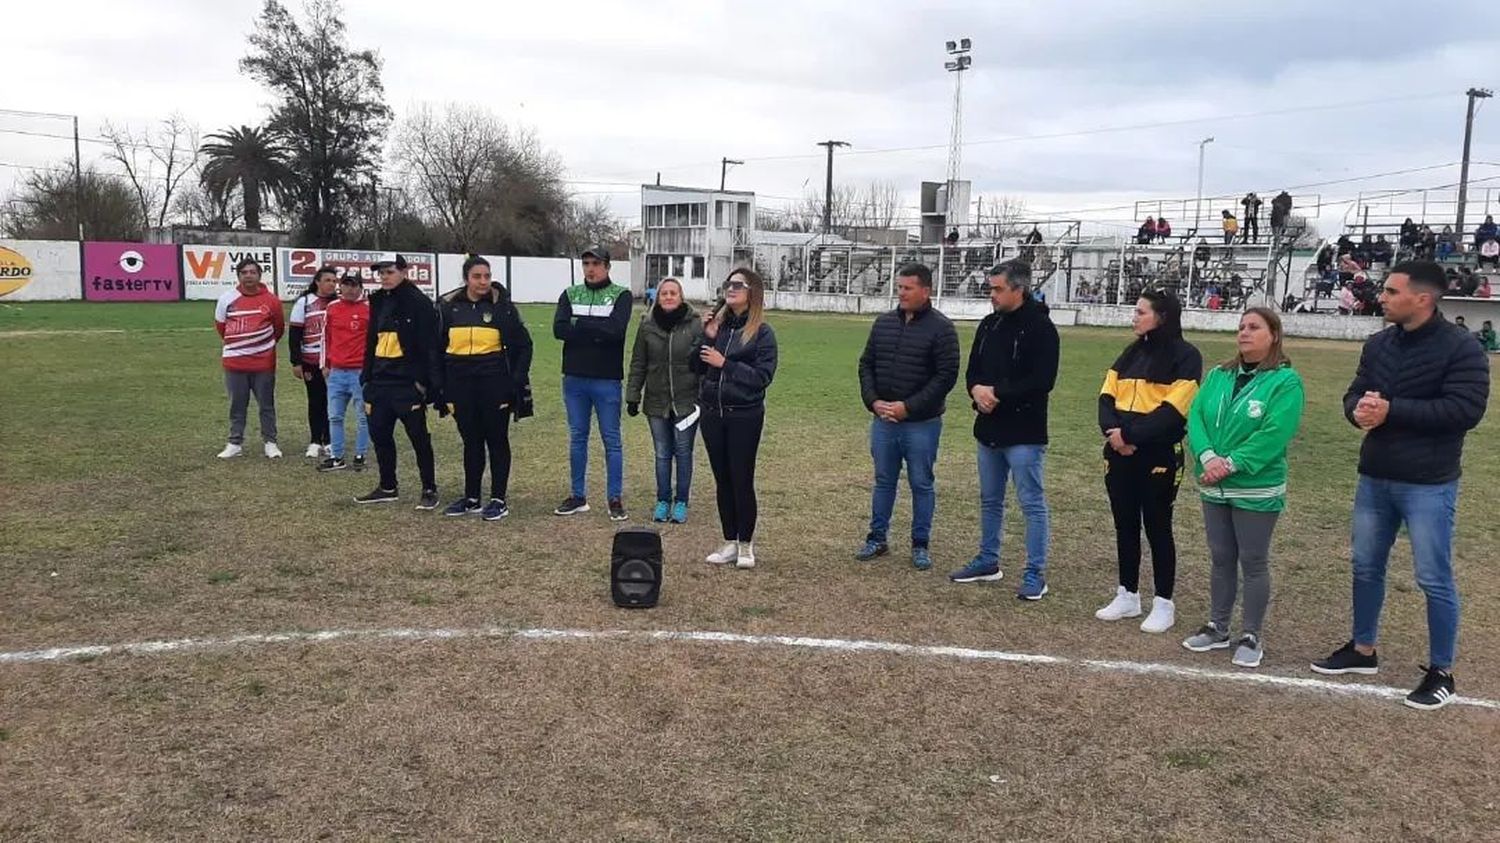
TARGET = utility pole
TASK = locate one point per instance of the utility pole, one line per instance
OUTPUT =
(1198, 206)
(375, 209)
(1463, 174)
(724, 170)
(828, 189)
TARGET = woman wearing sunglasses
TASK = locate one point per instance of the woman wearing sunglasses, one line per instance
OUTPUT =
(737, 360)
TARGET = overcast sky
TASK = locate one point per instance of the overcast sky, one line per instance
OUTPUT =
(625, 90)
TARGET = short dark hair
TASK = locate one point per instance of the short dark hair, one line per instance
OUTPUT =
(244, 262)
(919, 271)
(326, 269)
(1017, 274)
(1427, 275)
(473, 261)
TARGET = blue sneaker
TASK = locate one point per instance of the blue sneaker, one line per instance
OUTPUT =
(659, 515)
(977, 571)
(679, 512)
(1033, 586)
(494, 510)
(871, 550)
(921, 559)
(462, 506)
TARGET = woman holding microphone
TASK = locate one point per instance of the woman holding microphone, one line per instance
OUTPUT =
(737, 360)
(1238, 429)
(661, 365)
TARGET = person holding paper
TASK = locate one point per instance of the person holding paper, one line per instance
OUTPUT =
(661, 372)
(909, 365)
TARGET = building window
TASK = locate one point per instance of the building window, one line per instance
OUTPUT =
(698, 266)
(656, 268)
(719, 214)
(677, 262)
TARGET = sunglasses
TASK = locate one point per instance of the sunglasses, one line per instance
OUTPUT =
(735, 285)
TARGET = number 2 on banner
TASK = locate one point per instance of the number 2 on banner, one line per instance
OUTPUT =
(304, 262)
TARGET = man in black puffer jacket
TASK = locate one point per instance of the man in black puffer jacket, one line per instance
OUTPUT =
(909, 365)
(1422, 384)
(1012, 369)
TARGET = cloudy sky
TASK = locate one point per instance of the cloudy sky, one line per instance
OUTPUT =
(1072, 106)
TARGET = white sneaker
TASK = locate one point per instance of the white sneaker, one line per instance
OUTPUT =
(231, 451)
(1163, 615)
(1126, 604)
(724, 555)
(747, 555)
(273, 452)
(314, 451)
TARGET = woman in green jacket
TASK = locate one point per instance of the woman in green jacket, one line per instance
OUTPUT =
(659, 364)
(1239, 426)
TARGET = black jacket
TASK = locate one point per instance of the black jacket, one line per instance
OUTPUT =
(484, 339)
(912, 360)
(1016, 353)
(740, 386)
(592, 320)
(417, 362)
(1437, 379)
(1148, 390)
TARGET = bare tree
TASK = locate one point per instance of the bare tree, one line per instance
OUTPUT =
(155, 162)
(204, 207)
(587, 223)
(451, 160)
(1002, 218)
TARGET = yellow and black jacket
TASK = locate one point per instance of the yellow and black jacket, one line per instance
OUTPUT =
(484, 339)
(402, 360)
(1148, 390)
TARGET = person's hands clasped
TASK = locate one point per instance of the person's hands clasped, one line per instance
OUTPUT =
(1117, 442)
(1371, 411)
(891, 411)
(1214, 472)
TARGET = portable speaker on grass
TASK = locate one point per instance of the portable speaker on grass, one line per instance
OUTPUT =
(635, 568)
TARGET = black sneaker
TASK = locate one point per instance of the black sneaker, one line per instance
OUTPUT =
(1435, 691)
(572, 506)
(495, 510)
(429, 500)
(332, 464)
(379, 496)
(359, 463)
(617, 510)
(1346, 659)
(462, 506)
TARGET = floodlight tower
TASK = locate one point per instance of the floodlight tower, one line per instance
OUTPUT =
(958, 62)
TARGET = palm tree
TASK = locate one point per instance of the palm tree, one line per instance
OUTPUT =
(251, 159)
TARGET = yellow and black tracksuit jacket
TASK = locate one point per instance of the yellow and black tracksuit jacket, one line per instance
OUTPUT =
(485, 345)
(401, 355)
(1147, 392)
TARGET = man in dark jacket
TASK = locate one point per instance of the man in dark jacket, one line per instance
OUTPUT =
(402, 374)
(1422, 384)
(591, 320)
(909, 365)
(1012, 368)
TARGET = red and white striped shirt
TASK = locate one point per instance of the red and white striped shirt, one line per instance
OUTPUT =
(250, 326)
(308, 314)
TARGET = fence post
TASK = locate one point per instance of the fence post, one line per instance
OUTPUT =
(942, 275)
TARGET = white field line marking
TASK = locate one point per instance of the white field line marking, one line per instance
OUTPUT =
(844, 645)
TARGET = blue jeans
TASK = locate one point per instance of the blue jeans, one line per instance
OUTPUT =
(584, 397)
(1380, 508)
(916, 444)
(343, 387)
(1025, 463)
(671, 444)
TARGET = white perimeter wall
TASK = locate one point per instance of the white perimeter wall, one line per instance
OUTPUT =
(56, 270)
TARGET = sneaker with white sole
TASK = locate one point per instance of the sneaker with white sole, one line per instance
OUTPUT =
(314, 451)
(1347, 659)
(1249, 651)
(1125, 605)
(1163, 616)
(379, 496)
(1208, 637)
(273, 451)
(724, 555)
(231, 451)
(1436, 690)
(746, 558)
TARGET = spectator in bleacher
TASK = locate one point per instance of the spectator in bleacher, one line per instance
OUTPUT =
(1483, 290)
(1281, 211)
(1028, 246)
(1459, 321)
(1324, 260)
(1421, 385)
(1427, 245)
(1345, 245)
(1447, 243)
(1252, 204)
(1468, 282)
(1239, 427)
(1381, 251)
(1486, 231)
(1348, 267)
(1364, 251)
(1487, 337)
(1202, 254)
(1489, 252)
(1147, 232)
(952, 238)
(1409, 236)
(1231, 228)
(1163, 230)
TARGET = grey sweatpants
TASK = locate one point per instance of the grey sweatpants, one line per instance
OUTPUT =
(240, 386)
(1239, 541)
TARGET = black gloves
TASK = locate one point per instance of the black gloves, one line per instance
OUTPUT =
(633, 408)
(523, 407)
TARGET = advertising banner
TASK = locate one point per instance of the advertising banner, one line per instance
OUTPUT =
(295, 268)
(131, 272)
(208, 271)
(39, 270)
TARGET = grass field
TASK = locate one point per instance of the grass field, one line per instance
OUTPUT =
(118, 525)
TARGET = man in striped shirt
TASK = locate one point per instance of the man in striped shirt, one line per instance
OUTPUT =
(250, 320)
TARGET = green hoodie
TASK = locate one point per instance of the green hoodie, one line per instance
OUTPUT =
(1251, 430)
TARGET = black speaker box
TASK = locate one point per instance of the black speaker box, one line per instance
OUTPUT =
(635, 568)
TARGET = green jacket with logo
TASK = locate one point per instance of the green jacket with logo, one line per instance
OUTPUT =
(1251, 430)
(592, 322)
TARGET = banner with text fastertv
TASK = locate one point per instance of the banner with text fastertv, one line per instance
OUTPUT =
(131, 272)
(295, 268)
(208, 271)
(39, 270)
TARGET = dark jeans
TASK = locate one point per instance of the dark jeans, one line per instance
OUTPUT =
(732, 442)
(384, 414)
(317, 404)
(241, 385)
(483, 417)
(673, 445)
(1142, 491)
